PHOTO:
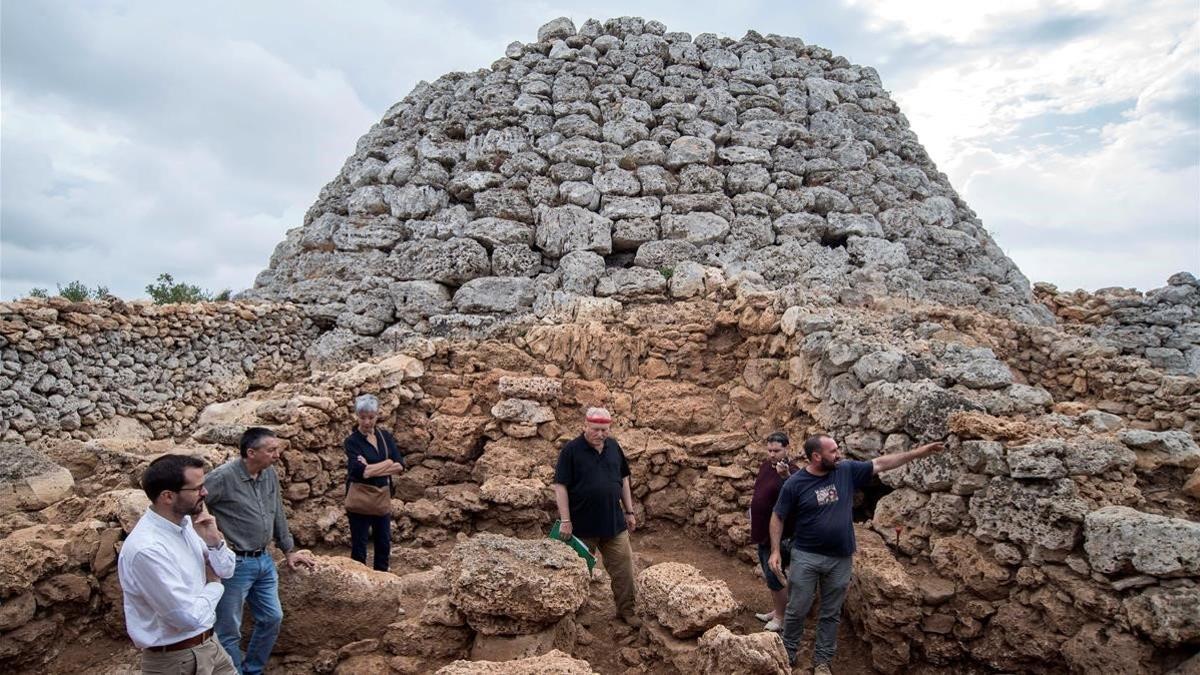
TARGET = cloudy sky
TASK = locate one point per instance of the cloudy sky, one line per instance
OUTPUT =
(146, 137)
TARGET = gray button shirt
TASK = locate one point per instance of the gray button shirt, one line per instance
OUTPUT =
(249, 511)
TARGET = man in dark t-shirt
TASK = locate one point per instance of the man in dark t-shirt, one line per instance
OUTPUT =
(820, 497)
(591, 490)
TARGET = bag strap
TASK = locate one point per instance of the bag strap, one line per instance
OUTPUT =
(387, 452)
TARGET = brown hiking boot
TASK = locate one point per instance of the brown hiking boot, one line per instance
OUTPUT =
(631, 620)
(822, 669)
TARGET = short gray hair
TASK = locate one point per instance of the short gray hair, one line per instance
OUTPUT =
(366, 403)
(601, 413)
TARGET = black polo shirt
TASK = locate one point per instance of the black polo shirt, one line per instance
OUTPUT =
(593, 482)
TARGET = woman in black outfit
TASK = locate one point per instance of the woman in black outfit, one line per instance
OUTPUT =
(372, 458)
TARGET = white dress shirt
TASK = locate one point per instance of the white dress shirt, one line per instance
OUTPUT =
(167, 596)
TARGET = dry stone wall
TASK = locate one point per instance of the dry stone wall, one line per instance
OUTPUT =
(627, 163)
(79, 370)
(1162, 325)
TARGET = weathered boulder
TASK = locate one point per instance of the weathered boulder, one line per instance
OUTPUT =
(338, 597)
(1162, 448)
(551, 663)
(1169, 616)
(29, 480)
(755, 654)
(682, 599)
(1045, 515)
(512, 586)
(1120, 539)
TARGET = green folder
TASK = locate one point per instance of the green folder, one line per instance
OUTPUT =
(576, 543)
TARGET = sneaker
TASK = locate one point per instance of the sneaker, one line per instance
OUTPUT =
(765, 616)
(632, 620)
(822, 669)
(774, 625)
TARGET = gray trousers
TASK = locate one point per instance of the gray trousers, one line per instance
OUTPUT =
(808, 575)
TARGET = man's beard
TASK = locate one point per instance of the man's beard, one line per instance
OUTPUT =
(829, 464)
(196, 509)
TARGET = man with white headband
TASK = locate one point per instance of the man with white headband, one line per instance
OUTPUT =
(591, 488)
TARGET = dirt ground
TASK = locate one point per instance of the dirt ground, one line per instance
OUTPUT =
(605, 642)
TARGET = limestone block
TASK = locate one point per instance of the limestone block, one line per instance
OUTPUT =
(536, 388)
(454, 261)
(690, 150)
(337, 595)
(1162, 448)
(522, 410)
(563, 229)
(665, 254)
(1044, 514)
(757, 653)
(526, 584)
(1119, 539)
(580, 271)
(682, 600)
(29, 481)
(631, 283)
(499, 295)
(1169, 616)
(554, 661)
(698, 227)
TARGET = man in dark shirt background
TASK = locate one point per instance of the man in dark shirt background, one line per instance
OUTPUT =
(821, 496)
(591, 489)
(771, 474)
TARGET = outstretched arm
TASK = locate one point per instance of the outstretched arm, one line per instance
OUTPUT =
(899, 459)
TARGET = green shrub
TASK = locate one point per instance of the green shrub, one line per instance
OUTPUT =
(39, 293)
(74, 291)
(169, 292)
(666, 272)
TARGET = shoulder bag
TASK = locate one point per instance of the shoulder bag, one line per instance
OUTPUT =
(371, 500)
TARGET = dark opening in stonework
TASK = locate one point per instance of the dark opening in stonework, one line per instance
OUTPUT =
(834, 240)
(867, 498)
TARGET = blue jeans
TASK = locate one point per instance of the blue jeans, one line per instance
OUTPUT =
(254, 580)
(376, 528)
(809, 574)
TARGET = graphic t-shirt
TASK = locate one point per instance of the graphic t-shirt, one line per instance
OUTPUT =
(823, 506)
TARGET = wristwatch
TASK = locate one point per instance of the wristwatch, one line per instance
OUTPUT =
(220, 545)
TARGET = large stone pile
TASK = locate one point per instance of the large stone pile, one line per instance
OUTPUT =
(87, 369)
(625, 163)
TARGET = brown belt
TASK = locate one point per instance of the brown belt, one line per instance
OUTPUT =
(193, 641)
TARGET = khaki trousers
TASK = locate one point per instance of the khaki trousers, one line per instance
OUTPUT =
(618, 562)
(206, 658)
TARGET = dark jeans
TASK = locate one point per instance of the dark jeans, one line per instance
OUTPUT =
(808, 575)
(378, 528)
(785, 559)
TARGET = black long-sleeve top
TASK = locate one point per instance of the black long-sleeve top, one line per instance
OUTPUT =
(356, 444)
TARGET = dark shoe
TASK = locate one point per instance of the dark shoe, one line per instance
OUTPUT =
(632, 620)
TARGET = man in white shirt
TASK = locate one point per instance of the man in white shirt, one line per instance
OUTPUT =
(170, 568)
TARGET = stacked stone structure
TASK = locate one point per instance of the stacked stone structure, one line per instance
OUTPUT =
(626, 163)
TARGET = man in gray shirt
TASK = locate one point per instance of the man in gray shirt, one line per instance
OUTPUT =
(243, 495)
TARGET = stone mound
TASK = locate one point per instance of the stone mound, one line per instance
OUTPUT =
(624, 163)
